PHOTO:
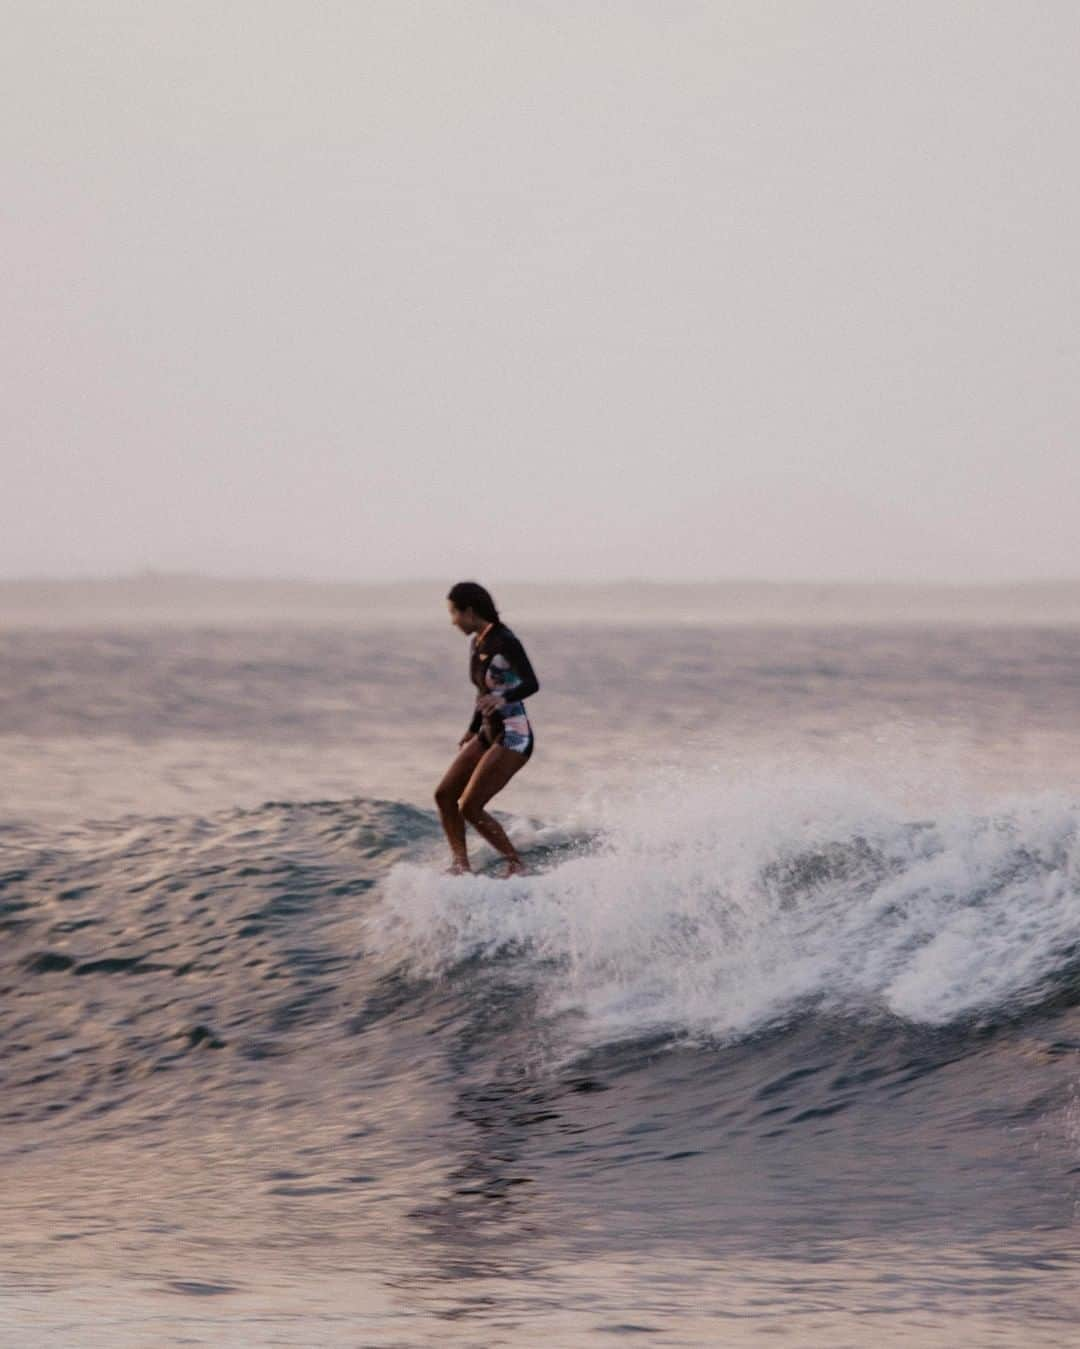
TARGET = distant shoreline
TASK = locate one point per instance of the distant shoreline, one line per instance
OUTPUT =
(182, 600)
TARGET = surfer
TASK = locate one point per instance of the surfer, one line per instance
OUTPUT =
(499, 739)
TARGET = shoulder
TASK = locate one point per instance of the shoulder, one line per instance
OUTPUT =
(504, 638)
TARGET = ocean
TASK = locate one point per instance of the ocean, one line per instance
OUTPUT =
(779, 1042)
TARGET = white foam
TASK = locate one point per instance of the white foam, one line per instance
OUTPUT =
(714, 910)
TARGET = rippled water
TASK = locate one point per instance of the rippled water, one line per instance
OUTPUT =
(781, 1040)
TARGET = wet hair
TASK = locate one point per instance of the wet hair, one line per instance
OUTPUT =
(472, 595)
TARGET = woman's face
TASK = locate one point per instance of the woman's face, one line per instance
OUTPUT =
(464, 620)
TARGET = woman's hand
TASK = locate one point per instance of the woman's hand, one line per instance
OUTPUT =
(490, 702)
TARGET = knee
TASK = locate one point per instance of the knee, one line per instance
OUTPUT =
(471, 810)
(445, 797)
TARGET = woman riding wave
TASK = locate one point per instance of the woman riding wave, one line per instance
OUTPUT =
(499, 740)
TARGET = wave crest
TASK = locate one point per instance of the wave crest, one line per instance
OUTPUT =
(714, 912)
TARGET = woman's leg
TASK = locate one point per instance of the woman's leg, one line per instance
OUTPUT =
(491, 775)
(447, 795)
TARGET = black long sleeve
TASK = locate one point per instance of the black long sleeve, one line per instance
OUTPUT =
(500, 643)
(509, 647)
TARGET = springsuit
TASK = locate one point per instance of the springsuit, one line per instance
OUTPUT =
(498, 664)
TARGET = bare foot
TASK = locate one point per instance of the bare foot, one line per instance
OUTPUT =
(515, 867)
(458, 868)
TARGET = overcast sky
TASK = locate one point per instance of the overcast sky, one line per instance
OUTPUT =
(541, 290)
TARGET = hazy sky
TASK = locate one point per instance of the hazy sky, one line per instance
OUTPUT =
(536, 289)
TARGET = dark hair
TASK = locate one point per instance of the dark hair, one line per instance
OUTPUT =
(471, 595)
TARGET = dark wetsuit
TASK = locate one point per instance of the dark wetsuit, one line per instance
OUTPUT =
(498, 664)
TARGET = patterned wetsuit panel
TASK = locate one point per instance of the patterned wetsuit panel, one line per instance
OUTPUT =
(498, 664)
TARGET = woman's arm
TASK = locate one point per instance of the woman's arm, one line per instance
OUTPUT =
(514, 653)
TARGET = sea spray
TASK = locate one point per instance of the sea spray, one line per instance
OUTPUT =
(707, 910)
